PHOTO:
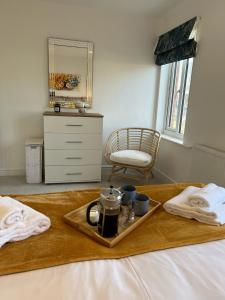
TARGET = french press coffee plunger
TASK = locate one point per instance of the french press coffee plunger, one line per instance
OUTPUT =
(108, 207)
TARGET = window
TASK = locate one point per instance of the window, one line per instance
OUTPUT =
(179, 86)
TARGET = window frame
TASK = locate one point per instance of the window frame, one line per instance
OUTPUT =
(167, 130)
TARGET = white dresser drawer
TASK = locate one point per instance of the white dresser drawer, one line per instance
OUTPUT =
(72, 124)
(72, 141)
(72, 147)
(72, 157)
(54, 174)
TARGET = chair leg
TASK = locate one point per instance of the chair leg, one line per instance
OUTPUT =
(146, 177)
(121, 171)
(110, 175)
(109, 178)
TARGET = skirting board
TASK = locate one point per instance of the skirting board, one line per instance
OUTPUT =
(162, 177)
(12, 172)
(159, 175)
(22, 172)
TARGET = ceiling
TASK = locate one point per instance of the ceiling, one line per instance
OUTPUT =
(137, 7)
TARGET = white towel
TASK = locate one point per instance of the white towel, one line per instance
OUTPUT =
(179, 202)
(33, 223)
(209, 196)
(210, 221)
(36, 225)
(179, 206)
(11, 212)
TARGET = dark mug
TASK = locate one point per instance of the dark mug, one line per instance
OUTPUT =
(141, 204)
(129, 194)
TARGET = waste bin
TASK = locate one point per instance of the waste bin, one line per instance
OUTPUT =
(34, 149)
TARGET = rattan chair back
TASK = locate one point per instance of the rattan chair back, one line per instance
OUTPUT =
(142, 139)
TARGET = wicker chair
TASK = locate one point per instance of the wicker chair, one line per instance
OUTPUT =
(142, 143)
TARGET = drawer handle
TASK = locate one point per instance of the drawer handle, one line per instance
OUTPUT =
(78, 173)
(73, 157)
(74, 125)
(73, 142)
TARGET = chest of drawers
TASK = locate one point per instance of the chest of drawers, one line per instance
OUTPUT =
(72, 147)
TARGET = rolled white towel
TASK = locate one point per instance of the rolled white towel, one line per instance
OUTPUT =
(178, 205)
(180, 201)
(209, 196)
(197, 216)
(210, 221)
(213, 212)
(24, 232)
(11, 212)
(192, 214)
(34, 223)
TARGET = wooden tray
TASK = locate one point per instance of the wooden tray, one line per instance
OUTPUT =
(77, 219)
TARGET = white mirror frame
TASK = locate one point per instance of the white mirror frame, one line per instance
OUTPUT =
(71, 102)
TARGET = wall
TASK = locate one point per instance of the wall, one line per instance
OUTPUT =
(124, 73)
(205, 118)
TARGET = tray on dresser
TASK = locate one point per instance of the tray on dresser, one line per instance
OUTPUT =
(77, 219)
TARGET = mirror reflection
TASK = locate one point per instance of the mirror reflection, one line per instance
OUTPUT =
(70, 73)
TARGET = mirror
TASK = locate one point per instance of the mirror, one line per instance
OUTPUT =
(70, 73)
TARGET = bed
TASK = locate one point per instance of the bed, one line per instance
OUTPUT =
(188, 272)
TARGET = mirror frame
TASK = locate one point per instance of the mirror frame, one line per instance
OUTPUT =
(70, 102)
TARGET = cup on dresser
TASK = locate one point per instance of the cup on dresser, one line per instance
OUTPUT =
(141, 204)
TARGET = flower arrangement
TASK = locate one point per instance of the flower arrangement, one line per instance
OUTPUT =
(62, 81)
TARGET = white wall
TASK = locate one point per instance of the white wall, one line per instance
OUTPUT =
(124, 73)
(205, 119)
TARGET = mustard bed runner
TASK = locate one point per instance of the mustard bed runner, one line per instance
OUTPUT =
(62, 244)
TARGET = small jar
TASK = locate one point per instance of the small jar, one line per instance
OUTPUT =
(57, 108)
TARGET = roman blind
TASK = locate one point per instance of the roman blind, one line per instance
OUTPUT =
(177, 44)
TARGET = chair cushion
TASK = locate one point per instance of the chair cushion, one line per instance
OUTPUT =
(131, 157)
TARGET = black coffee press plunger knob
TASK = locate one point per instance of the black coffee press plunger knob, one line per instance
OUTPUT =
(111, 189)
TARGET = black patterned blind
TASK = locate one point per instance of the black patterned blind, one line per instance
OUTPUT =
(176, 44)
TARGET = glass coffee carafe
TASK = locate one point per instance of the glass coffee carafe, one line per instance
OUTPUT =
(108, 209)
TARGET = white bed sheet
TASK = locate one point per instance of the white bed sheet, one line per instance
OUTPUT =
(194, 272)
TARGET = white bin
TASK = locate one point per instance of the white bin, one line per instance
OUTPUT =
(34, 160)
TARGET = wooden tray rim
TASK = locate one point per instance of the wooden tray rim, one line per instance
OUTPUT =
(108, 242)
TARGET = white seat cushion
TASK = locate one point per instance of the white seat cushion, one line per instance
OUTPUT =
(131, 157)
